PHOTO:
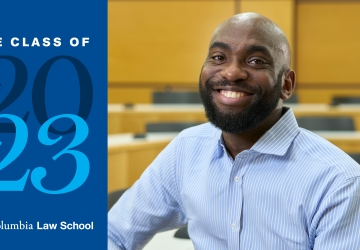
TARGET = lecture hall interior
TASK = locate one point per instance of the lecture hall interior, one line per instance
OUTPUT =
(156, 49)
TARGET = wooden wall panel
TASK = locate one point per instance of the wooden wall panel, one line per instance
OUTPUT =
(328, 37)
(161, 41)
(323, 95)
(117, 94)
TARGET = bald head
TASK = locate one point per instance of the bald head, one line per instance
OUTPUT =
(255, 26)
(246, 74)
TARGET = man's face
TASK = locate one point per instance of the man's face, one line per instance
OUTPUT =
(241, 80)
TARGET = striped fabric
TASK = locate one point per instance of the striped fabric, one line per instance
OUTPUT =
(292, 190)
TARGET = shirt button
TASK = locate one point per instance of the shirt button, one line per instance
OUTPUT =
(233, 226)
(236, 179)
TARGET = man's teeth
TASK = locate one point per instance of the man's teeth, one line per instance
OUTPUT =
(232, 94)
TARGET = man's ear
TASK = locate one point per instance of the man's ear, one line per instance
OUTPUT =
(288, 84)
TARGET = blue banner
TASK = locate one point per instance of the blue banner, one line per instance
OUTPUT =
(53, 124)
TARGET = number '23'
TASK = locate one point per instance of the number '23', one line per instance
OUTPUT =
(82, 162)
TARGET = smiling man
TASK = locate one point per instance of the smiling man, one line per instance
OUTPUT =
(245, 76)
(251, 178)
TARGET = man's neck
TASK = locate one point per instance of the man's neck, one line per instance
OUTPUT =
(236, 143)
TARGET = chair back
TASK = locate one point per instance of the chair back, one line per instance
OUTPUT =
(326, 123)
(345, 100)
(169, 126)
(292, 100)
(170, 97)
(113, 197)
(356, 157)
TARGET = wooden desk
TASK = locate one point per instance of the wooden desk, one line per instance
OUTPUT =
(134, 120)
(129, 157)
(347, 141)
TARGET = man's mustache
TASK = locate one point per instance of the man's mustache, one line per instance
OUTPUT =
(210, 84)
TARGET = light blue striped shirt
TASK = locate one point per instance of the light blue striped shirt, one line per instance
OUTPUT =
(292, 190)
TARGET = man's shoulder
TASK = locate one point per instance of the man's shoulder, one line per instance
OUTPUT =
(321, 150)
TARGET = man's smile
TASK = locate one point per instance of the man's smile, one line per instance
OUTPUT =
(230, 95)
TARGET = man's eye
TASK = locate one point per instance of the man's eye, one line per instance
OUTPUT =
(218, 58)
(257, 61)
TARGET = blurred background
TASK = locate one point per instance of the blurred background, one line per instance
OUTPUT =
(156, 49)
(155, 52)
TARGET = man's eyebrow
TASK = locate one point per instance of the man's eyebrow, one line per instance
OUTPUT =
(220, 45)
(258, 48)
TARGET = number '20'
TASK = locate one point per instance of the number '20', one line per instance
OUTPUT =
(80, 126)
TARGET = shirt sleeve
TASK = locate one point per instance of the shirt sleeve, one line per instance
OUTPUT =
(151, 205)
(113, 246)
(338, 218)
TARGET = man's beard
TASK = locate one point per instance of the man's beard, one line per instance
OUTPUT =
(236, 122)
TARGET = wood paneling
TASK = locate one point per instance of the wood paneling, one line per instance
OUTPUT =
(324, 95)
(161, 41)
(117, 94)
(328, 35)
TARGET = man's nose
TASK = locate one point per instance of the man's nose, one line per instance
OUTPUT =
(234, 71)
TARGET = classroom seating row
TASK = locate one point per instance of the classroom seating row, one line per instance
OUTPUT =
(141, 118)
(129, 154)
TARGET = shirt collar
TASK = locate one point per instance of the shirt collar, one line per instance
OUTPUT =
(277, 139)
